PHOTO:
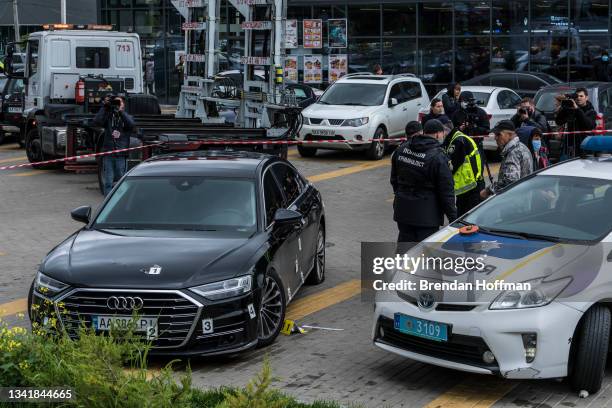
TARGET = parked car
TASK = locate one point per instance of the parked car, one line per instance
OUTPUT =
(360, 111)
(523, 83)
(202, 251)
(600, 95)
(305, 94)
(550, 232)
(499, 103)
(11, 108)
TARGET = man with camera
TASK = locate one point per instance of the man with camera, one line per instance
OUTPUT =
(478, 120)
(118, 126)
(576, 114)
(528, 115)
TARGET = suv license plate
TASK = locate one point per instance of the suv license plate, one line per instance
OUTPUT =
(323, 132)
(421, 327)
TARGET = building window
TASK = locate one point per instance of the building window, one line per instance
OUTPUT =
(399, 19)
(436, 60)
(436, 18)
(399, 56)
(472, 17)
(364, 54)
(549, 14)
(510, 54)
(472, 57)
(590, 16)
(364, 20)
(510, 17)
(549, 53)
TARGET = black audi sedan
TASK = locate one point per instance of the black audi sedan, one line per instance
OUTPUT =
(206, 249)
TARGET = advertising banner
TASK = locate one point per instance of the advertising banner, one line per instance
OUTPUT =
(291, 34)
(313, 69)
(291, 70)
(338, 66)
(337, 33)
(313, 33)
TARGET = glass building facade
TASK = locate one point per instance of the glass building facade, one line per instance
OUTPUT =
(439, 41)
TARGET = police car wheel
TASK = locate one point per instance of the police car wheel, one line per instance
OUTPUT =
(592, 338)
(271, 309)
(376, 150)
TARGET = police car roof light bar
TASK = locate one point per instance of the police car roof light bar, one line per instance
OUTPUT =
(600, 144)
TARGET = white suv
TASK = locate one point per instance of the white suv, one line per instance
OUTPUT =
(360, 109)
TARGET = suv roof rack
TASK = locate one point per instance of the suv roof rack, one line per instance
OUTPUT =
(358, 74)
(404, 75)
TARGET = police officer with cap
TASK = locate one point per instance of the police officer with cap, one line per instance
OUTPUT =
(423, 185)
(466, 164)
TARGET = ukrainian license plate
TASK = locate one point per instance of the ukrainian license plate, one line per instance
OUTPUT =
(14, 109)
(148, 325)
(323, 132)
(421, 327)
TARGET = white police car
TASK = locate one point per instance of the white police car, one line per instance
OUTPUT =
(539, 304)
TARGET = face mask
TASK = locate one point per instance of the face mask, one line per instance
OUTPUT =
(537, 144)
(605, 58)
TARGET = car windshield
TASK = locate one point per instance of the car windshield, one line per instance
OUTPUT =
(181, 203)
(545, 101)
(354, 94)
(558, 207)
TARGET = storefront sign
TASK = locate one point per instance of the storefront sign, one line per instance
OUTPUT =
(337, 33)
(313, 69)
(255, 60)
(313, 33)
(198, 25)
(194, 57)
(291, 71)
(338, 66)
(256, 25)
(291, 34)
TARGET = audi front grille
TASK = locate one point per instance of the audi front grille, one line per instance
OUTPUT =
(177, 314)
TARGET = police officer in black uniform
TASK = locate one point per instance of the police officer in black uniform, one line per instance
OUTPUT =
(423, 185)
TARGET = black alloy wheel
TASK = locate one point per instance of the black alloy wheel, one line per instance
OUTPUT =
(271, 310)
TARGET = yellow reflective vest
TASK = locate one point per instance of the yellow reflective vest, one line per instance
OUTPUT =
(465, 178)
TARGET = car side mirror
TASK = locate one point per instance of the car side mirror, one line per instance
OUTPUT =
(81, 214)
(284, 217)
(393, 102)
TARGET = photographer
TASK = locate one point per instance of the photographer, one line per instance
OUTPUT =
(528, 115)
(118, 126)
(576, 114)
(478, 120)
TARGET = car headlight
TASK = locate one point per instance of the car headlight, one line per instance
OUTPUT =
(225, 289)
(306, 120)
(541, 294)
(355, 122)
(47, 286)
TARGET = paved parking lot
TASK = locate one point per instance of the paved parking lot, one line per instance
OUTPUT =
(321, 364)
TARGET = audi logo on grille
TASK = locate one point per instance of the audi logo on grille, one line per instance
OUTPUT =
(124, 303)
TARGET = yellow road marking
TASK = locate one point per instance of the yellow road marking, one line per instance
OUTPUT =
(14, 307)
(30, 173)
(292, 153)
(322, 300)
(349, 170)
(14, 159)
(13, 146)
(474, 392)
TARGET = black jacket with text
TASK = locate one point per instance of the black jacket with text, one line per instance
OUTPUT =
(423, 183)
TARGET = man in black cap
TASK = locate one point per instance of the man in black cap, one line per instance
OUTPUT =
(413, 128)
(516, 158)
(423, 185)
(478, 120)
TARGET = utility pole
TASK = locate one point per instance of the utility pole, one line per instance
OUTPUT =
(16, 20)
(63, 11)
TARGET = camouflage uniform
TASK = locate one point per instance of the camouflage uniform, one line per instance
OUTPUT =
(516, 164)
